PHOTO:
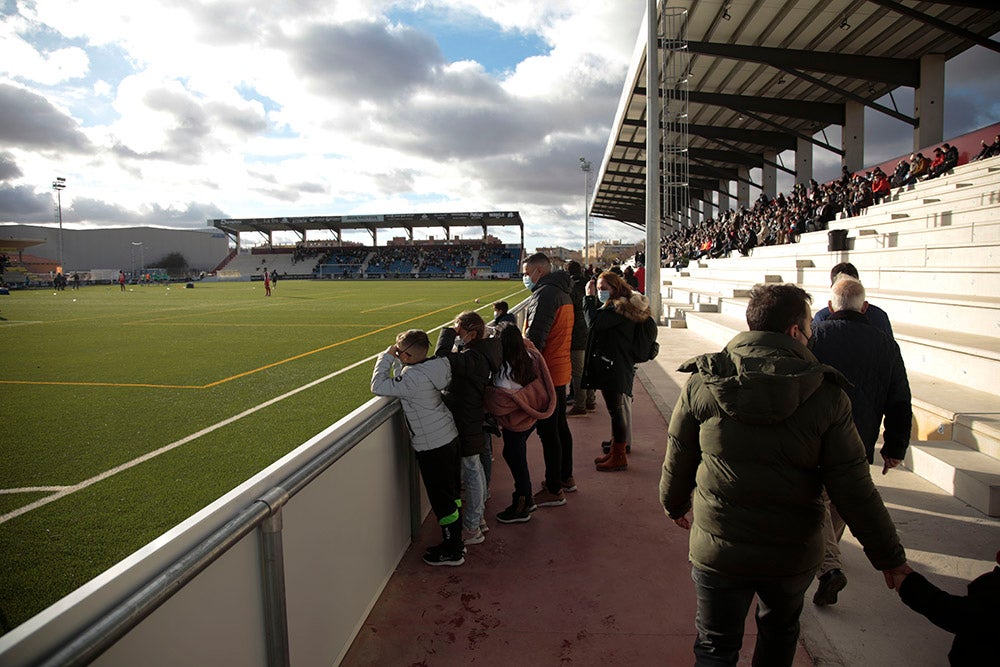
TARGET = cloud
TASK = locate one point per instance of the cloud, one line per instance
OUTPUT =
(365, 61)
(32, 122)
(21, 203)
(193, 214)
(8, 167)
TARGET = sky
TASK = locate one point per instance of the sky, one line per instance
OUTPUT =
(172, 112)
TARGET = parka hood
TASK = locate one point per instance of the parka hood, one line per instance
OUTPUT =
(635, 308)
(762, 377)
(559, 279)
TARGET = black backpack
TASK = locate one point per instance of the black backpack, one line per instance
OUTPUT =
(644, 345)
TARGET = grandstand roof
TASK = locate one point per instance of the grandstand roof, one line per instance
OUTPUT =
(338, 223)
(764, 73)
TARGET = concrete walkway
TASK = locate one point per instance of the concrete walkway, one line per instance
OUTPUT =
(604, 580)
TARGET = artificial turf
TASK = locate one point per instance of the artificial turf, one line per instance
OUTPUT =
(96, 377)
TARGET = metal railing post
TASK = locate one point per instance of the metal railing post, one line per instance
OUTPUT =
(272, 565)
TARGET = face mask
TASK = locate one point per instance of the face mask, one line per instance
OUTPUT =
(529, 284)
(603, 295)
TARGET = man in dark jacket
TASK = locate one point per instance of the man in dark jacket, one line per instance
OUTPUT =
(872, 363)
(583, 399)
(875, 315)
(757, 433)
(548, 323)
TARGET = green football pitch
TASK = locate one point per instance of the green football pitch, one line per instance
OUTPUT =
(123, 413)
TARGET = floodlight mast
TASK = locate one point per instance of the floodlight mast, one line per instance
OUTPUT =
(585, 167)
(58, 185)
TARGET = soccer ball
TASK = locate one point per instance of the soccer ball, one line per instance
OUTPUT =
(477, 300)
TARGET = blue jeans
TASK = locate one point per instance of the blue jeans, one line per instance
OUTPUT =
(723, 603)
(473, 492)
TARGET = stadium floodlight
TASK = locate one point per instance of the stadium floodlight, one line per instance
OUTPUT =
(58, 185)
(585, 167)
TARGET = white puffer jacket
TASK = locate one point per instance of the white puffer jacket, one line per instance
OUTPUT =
(418, 387)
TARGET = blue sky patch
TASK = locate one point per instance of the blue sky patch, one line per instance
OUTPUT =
(471, 37)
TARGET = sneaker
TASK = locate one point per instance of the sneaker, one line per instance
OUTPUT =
(518, 512)
(483, 527)
(576, 412)
(830, 584)
(439, 556)
(546, 498)
(473, 536)
(568, 485)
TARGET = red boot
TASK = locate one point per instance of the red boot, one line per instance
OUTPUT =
(617, 460)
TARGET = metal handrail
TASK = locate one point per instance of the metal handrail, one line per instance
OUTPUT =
(92, 642)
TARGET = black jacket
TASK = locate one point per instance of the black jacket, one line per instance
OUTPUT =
(608, 363)
(973, 619)
(872, 363)
(471, 373)
(577, 292)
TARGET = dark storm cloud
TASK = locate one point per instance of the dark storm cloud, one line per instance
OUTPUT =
(21, 204)
(32, 122)
(8, 167)
(366, 61)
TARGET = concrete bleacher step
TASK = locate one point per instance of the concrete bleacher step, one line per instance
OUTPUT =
(968, 475)
(967, 466)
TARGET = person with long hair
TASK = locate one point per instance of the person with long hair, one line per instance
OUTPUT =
(522, 393)
(612, 311)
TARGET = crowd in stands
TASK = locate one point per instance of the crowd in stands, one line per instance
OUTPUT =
(807, 208)
(501, 259)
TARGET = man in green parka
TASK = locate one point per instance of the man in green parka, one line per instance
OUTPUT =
(757, 433)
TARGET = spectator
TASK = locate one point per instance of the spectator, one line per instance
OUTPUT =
(763, 427)
(522, 393)
(404, 371)
(973, 618)
(501, 316)
(471, 370)
(583, 399)
(612, 310)
(549, 326)
(878, 388)
(875, 315)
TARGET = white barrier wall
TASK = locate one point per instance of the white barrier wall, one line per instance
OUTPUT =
(343, 535)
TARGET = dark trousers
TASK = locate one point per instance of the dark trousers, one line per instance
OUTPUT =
(515, 453)
(615, 401)
(557, 444)
(440, 470)
(723, 603)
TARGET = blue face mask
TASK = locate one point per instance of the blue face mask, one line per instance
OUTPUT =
(603, 295)
(529, 284)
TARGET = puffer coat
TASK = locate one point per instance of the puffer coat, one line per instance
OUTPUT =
(472, 369)
(759, 429)
(608, 363)
(418, 386)
(519, 409)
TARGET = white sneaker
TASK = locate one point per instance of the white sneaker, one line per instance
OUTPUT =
(473, 537)
(483, 527)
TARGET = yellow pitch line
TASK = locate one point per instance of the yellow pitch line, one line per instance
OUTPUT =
(245, 373)
(401, 303)
(337, 344)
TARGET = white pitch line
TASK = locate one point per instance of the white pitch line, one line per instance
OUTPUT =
(32, 489)
(64, 491)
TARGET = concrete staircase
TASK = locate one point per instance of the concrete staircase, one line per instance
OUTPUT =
(929, 257)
